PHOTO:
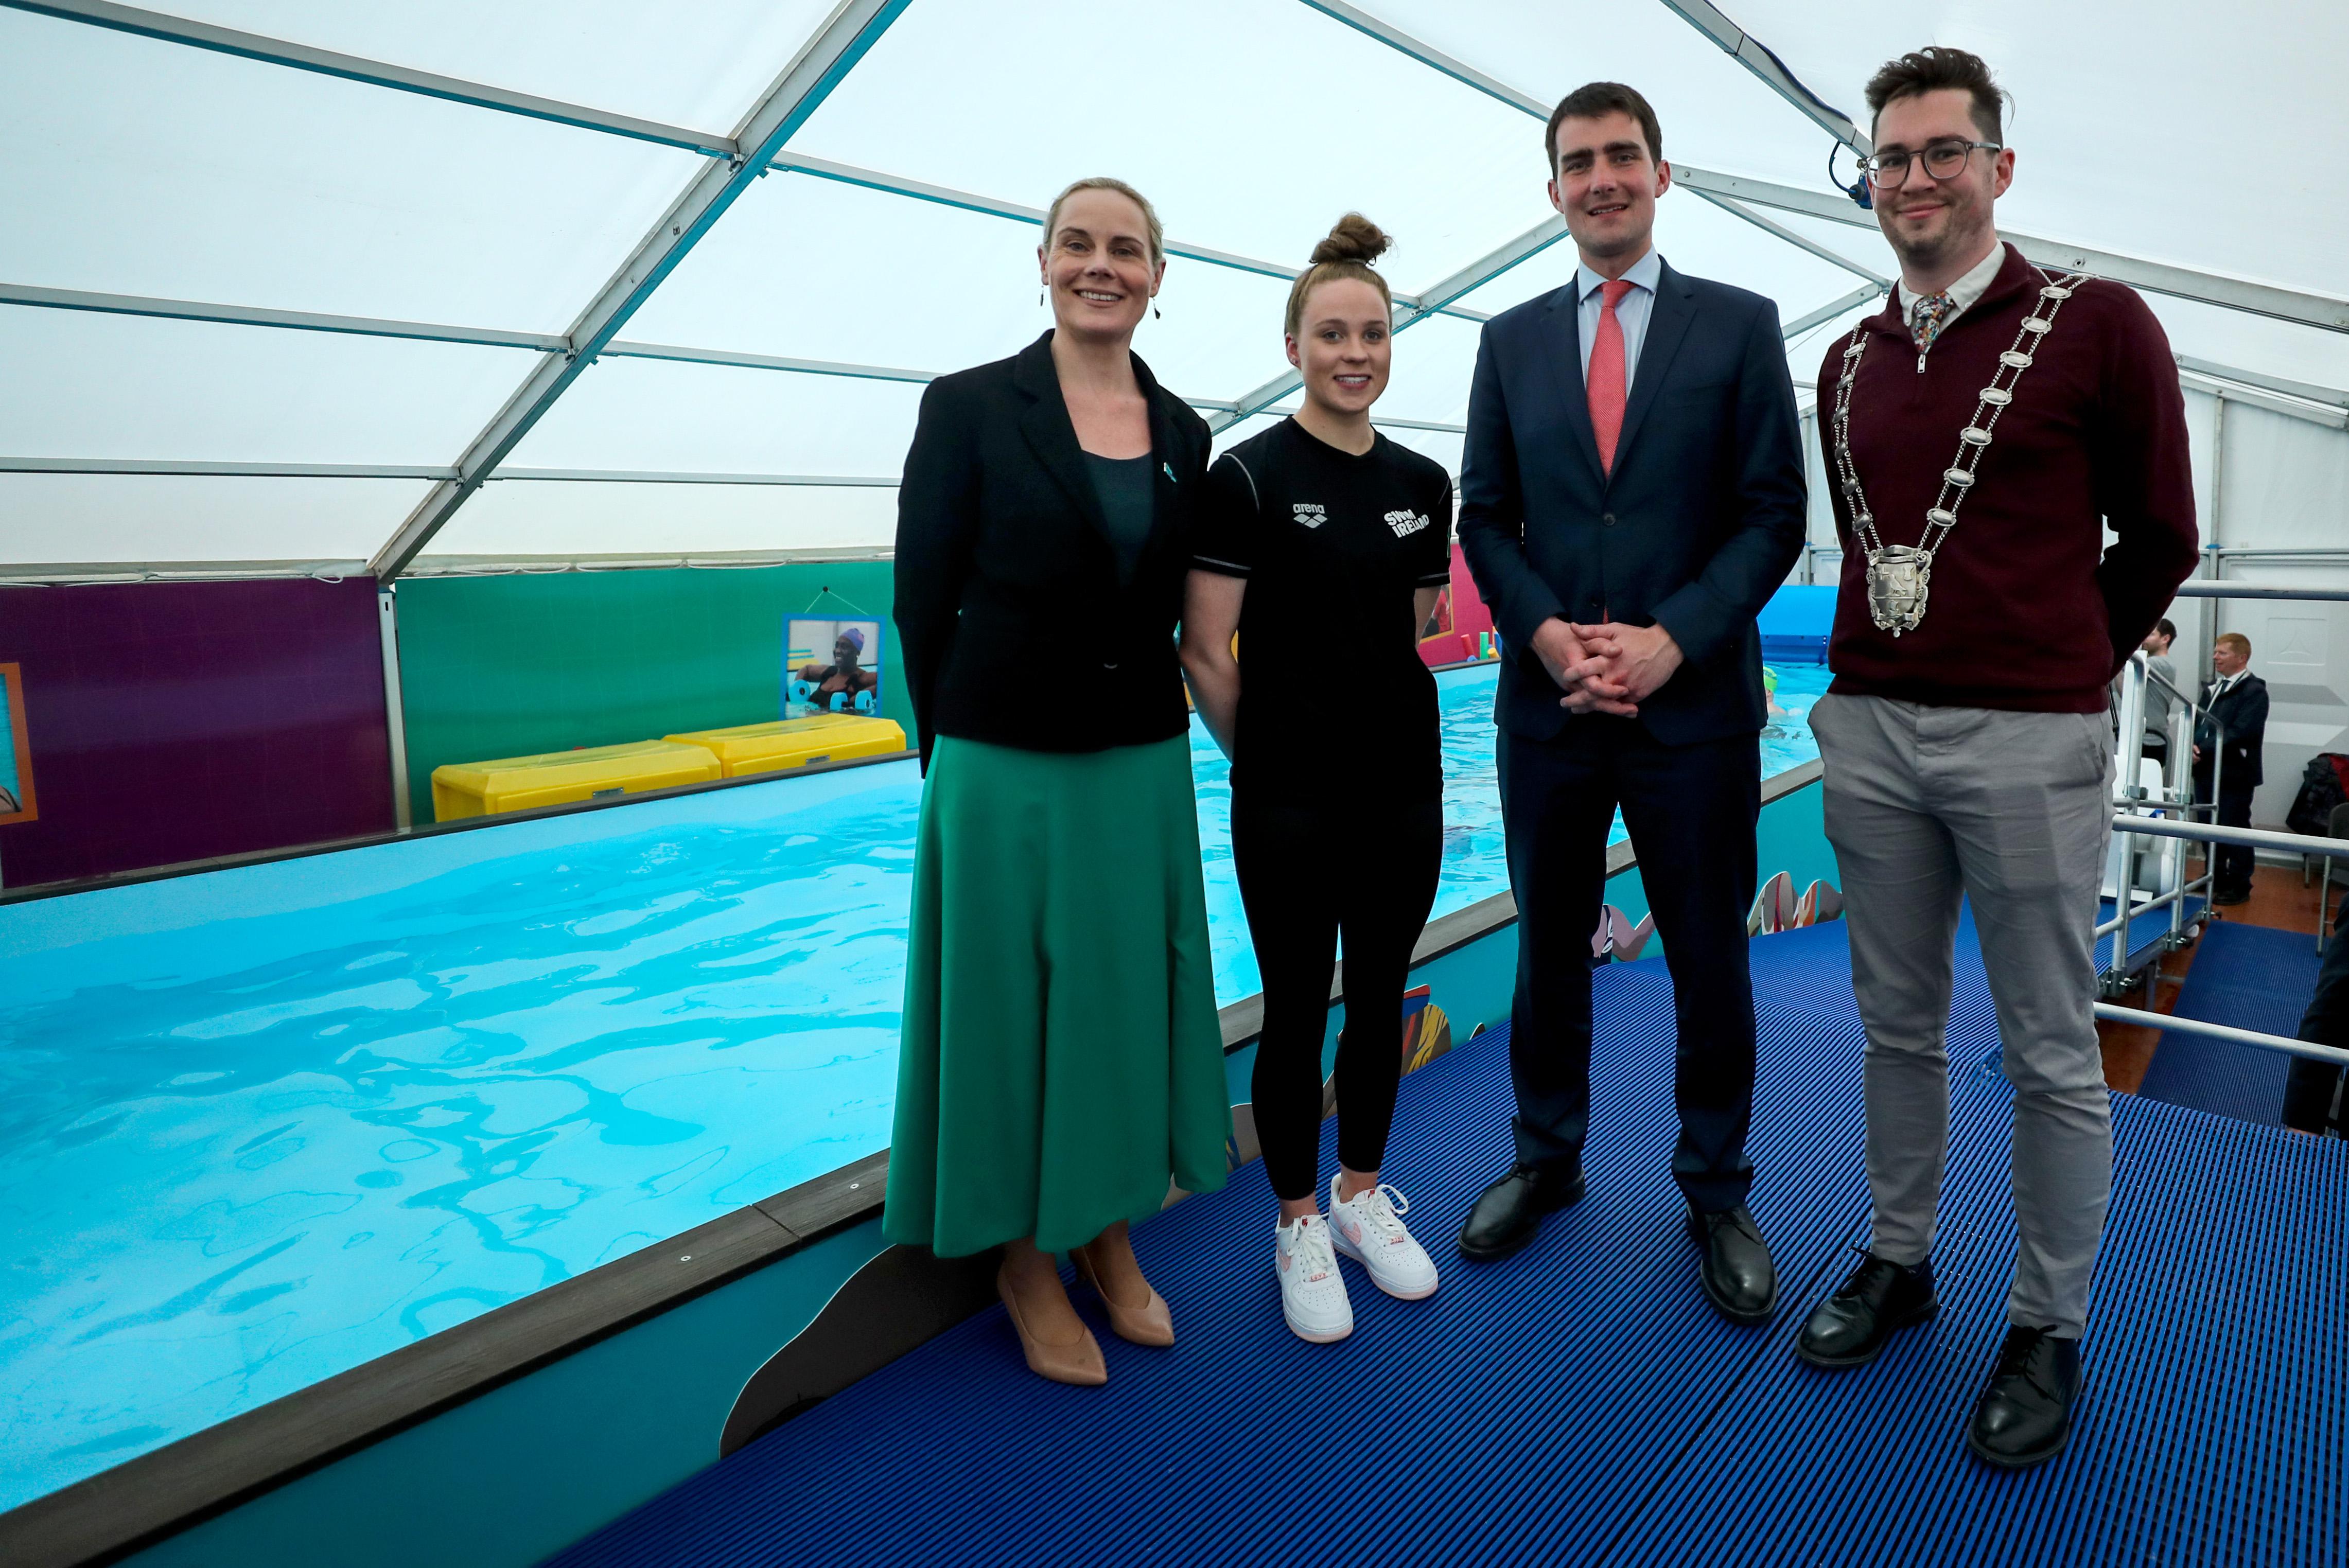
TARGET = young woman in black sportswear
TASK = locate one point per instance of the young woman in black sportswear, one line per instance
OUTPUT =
(1323, 545)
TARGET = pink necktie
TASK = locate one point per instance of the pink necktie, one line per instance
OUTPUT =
(1604, 381)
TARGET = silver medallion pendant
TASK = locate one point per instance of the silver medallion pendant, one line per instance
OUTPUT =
(1897, 577)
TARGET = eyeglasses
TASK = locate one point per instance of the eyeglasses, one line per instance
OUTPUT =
(1943, 161)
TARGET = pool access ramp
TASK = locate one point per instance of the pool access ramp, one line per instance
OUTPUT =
(1579, 1403)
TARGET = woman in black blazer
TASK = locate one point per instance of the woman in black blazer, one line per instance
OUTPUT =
(1061, 1058)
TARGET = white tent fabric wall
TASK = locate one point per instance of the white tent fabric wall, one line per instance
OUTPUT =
(2282, 519)
(138, 166)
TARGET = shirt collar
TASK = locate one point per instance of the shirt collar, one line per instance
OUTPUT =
(1646, 272)
(1968, 290)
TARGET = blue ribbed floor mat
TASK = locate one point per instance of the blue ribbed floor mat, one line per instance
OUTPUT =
(1578, 1403)
(2213, 1427)
(2253, 977)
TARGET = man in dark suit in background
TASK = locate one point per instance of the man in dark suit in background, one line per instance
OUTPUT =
(1632, 493)
(2235, 717)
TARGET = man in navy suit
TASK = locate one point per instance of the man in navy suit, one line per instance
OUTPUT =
(1632, 492)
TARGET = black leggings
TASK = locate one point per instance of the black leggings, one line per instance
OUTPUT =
(1307, 872)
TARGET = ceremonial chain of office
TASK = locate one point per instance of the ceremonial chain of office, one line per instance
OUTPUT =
(1900, 575)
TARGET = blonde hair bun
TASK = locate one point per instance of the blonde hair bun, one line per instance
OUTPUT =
(1353, 237)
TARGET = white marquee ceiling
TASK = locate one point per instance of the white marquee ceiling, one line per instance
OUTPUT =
(471, 174)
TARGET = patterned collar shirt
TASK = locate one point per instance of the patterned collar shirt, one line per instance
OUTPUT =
(1929, 315)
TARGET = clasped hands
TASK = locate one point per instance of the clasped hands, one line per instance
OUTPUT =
(1607, 668)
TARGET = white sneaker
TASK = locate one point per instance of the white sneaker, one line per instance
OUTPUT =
(1313, 1294)
(1367, 1230)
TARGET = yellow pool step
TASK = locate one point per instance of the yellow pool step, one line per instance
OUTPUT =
(796, 742)
(558, 777)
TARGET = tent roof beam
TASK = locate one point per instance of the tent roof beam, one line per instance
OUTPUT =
(375, 73)
(1762, 60)
(2332, 396)
(1475, 274)
(259, 316)
(2302, 307)
(971, 201)
(301, 56)
(618, 348)
(805, 83)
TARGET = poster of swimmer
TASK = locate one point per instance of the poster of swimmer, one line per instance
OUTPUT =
(15, 759)
(831, 667)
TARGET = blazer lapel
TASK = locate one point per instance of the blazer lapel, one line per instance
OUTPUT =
(1165, 498)
(1561, 329)
(1668, 323)
(1046, 425)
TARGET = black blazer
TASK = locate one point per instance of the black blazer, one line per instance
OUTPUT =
(2242, 715)
(1010, 619)
(1694, 529)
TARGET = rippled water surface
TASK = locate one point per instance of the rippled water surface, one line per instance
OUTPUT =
(259, 1126)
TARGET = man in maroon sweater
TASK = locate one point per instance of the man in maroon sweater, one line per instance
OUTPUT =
(1989, 424)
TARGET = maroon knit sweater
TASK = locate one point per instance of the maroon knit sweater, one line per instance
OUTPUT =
(2028, 610)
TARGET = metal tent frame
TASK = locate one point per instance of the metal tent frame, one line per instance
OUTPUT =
(757, 146)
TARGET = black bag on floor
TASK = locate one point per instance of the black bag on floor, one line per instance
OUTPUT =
(2320, 789)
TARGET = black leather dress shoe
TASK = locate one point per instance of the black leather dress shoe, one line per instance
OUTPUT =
(1506, 1214)
(1851, 1327)
(2024, 1417)
(1737, 1275)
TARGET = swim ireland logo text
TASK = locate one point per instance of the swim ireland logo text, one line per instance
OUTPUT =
(1405, 524)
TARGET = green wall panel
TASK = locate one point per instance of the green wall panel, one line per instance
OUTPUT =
(508, 665)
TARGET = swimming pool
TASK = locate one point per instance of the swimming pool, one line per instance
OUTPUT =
(258, 1126)
(1476, 864)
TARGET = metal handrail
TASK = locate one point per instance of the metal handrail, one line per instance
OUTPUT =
(2254, 838)
(2308, 1049)
(2185, 722)
(2129, 823)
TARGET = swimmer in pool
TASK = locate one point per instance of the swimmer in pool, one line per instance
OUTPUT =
(844, 674)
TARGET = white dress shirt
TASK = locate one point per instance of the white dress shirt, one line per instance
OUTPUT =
(1631, 313)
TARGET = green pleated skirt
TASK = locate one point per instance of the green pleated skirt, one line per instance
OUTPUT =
(1060, 1058)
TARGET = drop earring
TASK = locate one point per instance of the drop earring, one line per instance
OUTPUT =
(1155, 314)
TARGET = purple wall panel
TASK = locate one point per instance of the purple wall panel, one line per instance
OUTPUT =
(176, 721)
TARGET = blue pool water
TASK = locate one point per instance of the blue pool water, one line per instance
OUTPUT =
(259, 1126)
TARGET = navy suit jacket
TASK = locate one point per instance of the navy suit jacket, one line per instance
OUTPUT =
(2242, 716)
(1697, 526)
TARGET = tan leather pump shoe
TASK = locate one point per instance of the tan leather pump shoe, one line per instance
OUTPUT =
(1078, 1362)
(1147, 1324)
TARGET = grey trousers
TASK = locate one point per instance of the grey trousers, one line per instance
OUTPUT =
(2013, 811)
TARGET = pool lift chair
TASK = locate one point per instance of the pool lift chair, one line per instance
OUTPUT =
(2146, 873)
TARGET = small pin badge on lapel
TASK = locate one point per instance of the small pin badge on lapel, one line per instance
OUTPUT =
(1168, 469)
